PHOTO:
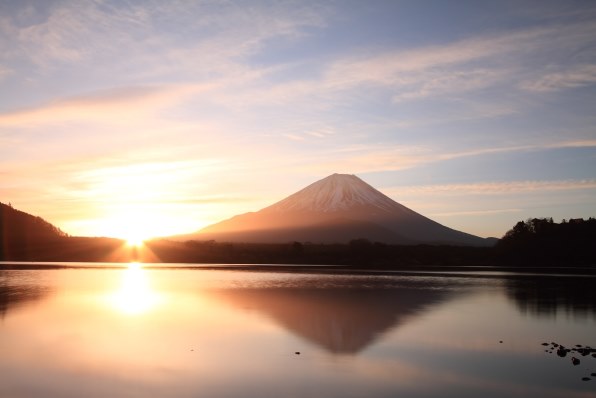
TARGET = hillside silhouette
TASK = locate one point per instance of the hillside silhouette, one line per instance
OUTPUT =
(20, 232)
(24, 237)
(544, 242)
(530, 243)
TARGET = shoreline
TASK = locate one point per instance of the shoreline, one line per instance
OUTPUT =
(417, 270)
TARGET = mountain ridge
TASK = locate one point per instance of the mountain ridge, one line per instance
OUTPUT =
(336, 209)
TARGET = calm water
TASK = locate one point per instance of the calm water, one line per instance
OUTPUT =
(207, 333)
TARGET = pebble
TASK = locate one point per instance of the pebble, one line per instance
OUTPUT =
(574, 361)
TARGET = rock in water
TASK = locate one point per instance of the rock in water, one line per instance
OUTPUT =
(574, 361)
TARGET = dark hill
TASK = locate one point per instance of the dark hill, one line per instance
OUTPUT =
(20, 231)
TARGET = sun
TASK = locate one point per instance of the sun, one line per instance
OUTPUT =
(133, 226)
(136, 239)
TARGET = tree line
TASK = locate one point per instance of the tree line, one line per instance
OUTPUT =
(542, 241)
(536, 242)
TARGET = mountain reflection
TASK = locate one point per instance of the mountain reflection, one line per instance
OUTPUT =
(13, 295)
(340, 320)
(548, 295)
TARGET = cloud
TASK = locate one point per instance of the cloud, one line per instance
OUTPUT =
(4, 71)
(475, 213)
(412, 67)
(449, 70)
(124, 40)
(369, 158)
(574, 76)
(438, 83)
(573, 144)
(495, 188)
(108, 106)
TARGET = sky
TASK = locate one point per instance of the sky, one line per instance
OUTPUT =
(161, 117)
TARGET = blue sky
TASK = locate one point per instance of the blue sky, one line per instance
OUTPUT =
(163, 117)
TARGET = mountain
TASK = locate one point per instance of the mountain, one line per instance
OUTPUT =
(18, 225)
(336, 209)
(20, 231)
(340, 320)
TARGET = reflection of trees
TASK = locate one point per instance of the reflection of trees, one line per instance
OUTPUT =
(13, 295)
(341, 320)
(547, 295)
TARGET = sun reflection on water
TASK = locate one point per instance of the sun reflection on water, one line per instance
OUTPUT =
(135, 295)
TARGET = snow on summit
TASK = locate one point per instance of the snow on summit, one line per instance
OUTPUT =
(338, 208)
(334, 193)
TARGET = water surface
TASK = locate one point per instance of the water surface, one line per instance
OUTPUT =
(219, 333)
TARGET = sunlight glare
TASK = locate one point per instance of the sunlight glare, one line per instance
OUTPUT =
(135, 295)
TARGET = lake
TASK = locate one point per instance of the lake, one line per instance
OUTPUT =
(184, 332)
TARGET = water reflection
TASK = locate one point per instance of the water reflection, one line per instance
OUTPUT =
(135, 295)
(547, 296)
(13, 295)
(340, 320)
(235, 333)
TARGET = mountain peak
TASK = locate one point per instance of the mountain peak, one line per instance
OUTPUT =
(336, 192)
(338, 208)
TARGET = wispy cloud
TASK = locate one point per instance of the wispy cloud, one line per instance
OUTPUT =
(475, 213)
(4, 71)
(575, 76)
(393, 157)
(111, 106)
(132, 41)
(495, 188)
(454, 68)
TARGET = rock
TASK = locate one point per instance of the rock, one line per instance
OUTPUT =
(586, 379)
(574, 361)
(593, 374)
(500, 341)
(297, 353)
(545, 344)
(562, 353)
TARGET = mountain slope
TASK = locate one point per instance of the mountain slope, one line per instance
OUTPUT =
(20, 232)
(337, 208)
(16, 225)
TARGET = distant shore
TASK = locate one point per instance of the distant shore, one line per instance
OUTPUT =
(421, 270)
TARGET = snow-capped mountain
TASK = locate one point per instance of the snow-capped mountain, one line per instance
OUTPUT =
(338, 192)
(338, 208)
